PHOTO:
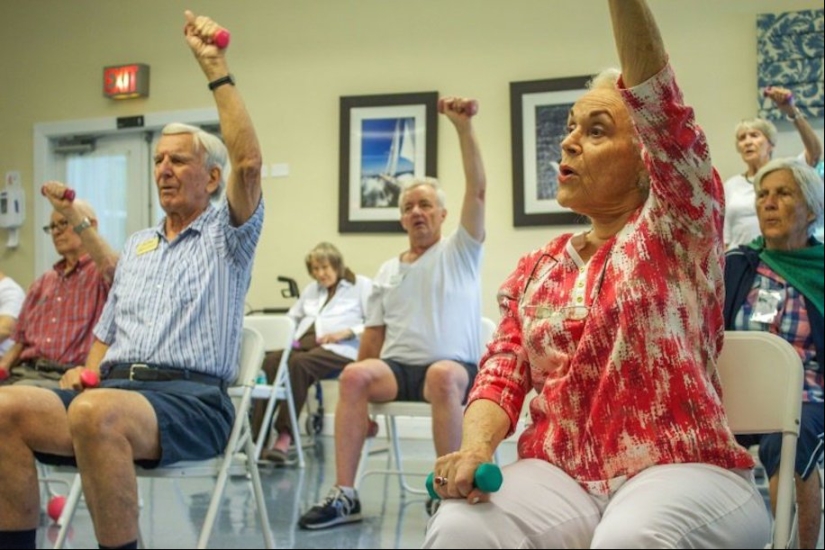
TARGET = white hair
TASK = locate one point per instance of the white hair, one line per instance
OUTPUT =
(418, 182)
(214, 150)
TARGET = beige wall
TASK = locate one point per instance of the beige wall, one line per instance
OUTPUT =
(292, 61)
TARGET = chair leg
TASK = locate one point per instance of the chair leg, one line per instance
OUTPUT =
(296, 429)
(69, 509)
(255, 475)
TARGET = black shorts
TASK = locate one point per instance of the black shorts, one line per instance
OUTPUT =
(410, 379)
(194, 419)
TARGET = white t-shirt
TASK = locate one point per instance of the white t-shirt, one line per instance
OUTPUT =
(741, 223)
(431, 308)
(11, 300)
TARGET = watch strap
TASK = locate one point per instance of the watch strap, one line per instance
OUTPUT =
(84, 224)
(228, 79)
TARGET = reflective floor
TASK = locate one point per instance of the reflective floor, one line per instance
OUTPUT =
(173, 510)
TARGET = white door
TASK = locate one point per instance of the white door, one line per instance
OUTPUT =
(115, 178)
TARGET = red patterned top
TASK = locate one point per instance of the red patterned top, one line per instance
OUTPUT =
(59, 313)
(622, 350)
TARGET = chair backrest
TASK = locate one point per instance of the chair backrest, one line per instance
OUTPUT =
(277, 330)
(761, 377)
(251, 356)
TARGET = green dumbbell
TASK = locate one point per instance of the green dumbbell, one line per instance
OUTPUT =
(488, 478)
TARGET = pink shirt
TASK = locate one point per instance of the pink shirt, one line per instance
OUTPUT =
(59, 313)
(633, 383)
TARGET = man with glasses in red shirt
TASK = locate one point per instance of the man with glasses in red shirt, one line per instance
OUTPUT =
(54, 328)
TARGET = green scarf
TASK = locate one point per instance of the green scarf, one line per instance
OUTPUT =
(802, 268)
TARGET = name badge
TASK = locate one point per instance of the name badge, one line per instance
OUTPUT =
(767, 306)
(396, 279)
(147, 245)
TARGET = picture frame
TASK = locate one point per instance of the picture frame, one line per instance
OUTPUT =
(538, 122)
(385, 140)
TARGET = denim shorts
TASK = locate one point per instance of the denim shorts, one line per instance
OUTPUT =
(194, 420)
(410, 379)
(809, 446)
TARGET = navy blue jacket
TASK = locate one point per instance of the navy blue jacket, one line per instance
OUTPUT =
(740, 272)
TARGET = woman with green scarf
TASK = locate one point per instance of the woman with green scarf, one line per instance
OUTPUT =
(775, 284)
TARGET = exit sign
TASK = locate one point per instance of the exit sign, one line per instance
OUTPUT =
(126, 81)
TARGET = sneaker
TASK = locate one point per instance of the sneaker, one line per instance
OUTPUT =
(337, 508)
(279, 458)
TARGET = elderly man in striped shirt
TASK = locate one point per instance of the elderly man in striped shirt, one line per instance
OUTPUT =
(168, 339)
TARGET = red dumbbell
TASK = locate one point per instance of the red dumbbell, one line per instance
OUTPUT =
(221, 39)
(3, 374)
(89, 378)
(68, 194)
(55, 507)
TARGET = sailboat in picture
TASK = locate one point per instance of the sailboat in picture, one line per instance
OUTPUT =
(384, 188)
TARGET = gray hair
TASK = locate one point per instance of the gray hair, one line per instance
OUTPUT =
(213, 148)
(608, 78)
(766, 127)
(808, 181)
(418, 182)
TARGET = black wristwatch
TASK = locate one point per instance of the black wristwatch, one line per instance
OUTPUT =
(221, 81)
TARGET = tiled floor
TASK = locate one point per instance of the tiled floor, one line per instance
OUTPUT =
(173, 511)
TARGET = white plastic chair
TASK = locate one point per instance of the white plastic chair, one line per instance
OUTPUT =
(413, 409)
(278, 332)
(239, 454)
(761, 376)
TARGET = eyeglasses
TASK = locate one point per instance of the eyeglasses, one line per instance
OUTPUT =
(55, 227)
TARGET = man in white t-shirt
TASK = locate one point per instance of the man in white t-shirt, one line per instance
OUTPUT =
(421, 341)
(11, 300)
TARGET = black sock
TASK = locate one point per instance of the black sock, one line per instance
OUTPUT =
(18, 539)
(128, 545)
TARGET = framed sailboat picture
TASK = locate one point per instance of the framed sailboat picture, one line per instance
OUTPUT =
(386, 140)
(538, 122)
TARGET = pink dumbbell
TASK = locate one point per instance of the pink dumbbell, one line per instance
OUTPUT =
(89, 378)
(767, 91)
(221, 38)
(68, 194)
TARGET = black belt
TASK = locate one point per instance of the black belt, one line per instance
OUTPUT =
(44, 365)
(144, 372)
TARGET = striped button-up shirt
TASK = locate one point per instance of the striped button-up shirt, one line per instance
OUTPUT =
(180, 303)
(59, 313)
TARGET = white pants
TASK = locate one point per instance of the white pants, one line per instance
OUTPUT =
(669, 506)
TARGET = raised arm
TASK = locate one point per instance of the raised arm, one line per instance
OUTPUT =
(243, 188)
(460, 111)
(76, 213)
(638, 42)
(783, 98)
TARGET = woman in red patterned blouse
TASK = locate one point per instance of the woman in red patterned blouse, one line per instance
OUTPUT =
(617, 329)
